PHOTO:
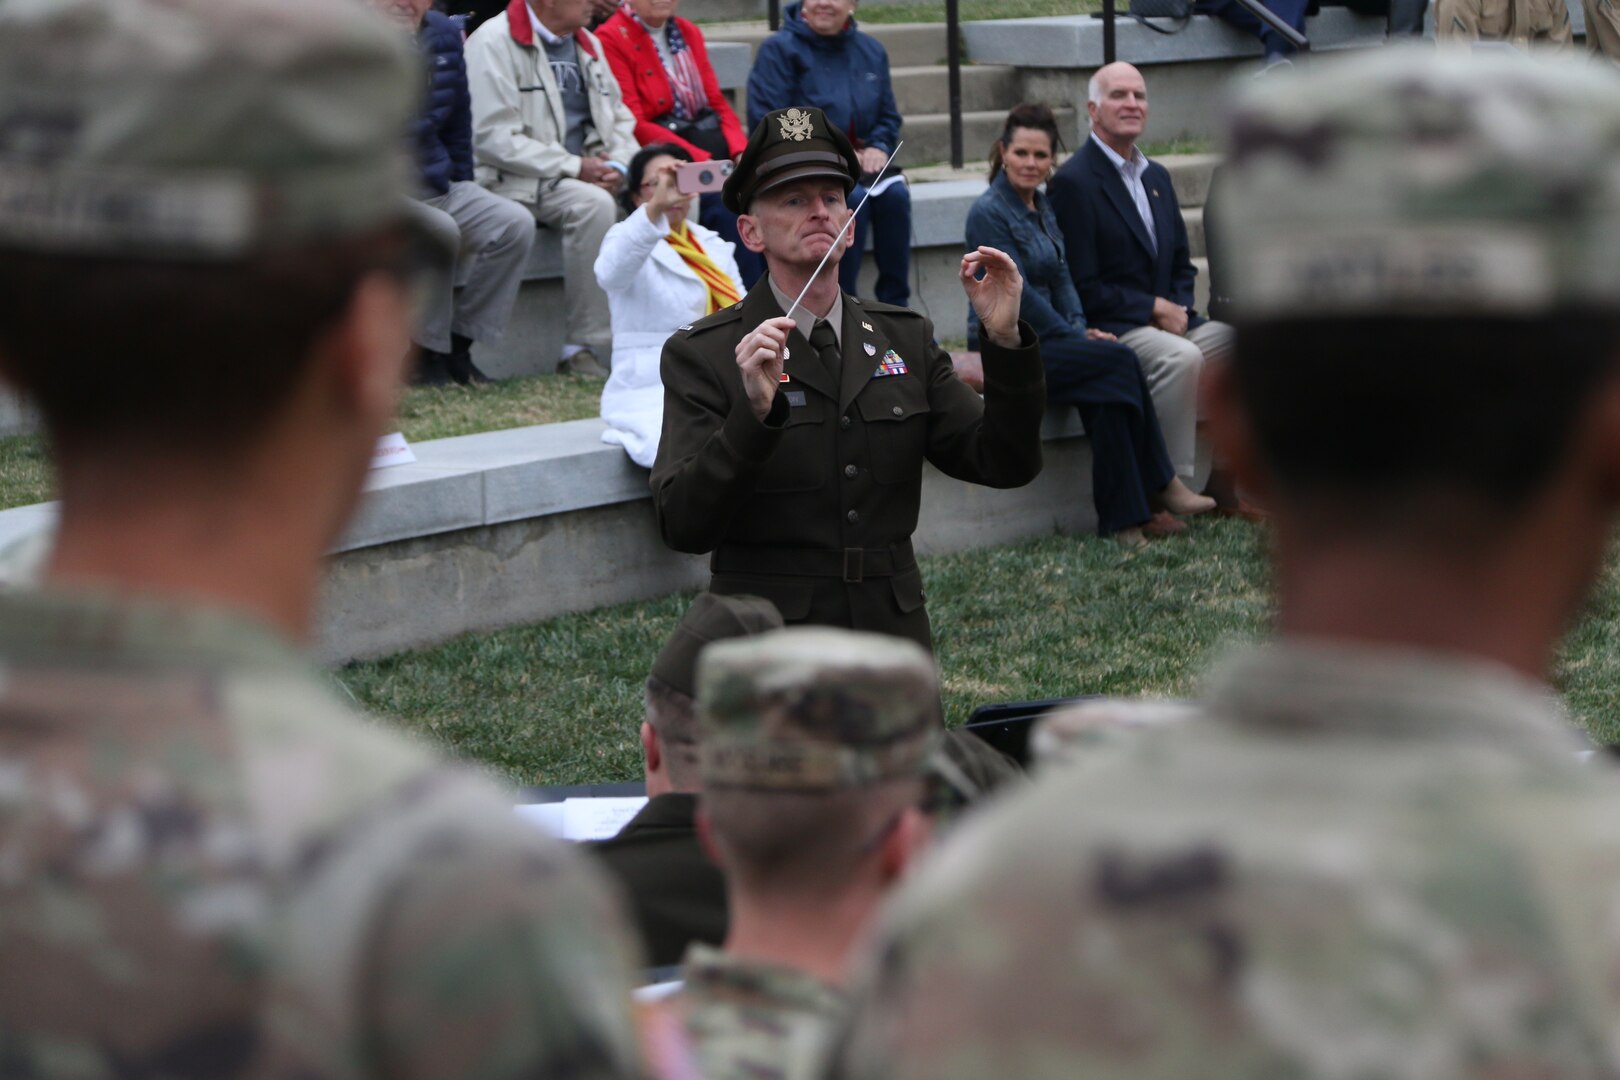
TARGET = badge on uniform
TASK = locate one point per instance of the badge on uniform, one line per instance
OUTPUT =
(891, 364)
(784, 377)
(866, 326)
(871, 349)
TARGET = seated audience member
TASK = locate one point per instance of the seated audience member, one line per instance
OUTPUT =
(1278, 49)
(473, 13)
(668, 83)
(1130, 261)
(660, 270)
(1131, 475)
(1375, 850)
(676, 893)
(821, 58)
(551, 131)
(493, 234)
(1522, 23)
(210, 866)
(814, 747)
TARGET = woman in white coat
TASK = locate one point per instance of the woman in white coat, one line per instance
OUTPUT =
(660, 270)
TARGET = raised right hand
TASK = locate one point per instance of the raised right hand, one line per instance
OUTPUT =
(760, 356)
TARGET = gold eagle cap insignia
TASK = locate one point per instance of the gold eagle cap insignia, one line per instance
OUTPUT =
(796, 125)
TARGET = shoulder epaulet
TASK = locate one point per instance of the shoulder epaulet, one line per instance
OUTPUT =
(709, 322)
(877, 307)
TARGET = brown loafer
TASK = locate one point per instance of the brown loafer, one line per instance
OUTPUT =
(1245, 510)
(1163, 524)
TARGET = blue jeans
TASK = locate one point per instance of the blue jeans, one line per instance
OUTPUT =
(888, 218)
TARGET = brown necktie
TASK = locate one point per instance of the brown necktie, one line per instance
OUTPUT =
(825, 342)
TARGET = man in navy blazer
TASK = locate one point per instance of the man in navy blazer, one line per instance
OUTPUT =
(1128, 254)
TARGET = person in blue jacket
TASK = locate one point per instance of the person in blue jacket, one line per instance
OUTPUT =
(822, 59)
(1136, 491)
(492, 234)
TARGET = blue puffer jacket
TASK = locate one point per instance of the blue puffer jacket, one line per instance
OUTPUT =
(444, 127)
(846, 76)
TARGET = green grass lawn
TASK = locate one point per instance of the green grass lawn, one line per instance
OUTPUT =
(25, 471)
(425, 413)
(559, 702)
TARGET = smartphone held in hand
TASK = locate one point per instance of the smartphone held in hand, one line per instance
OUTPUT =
(698, 177)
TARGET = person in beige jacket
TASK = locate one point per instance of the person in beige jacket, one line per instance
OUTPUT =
(551, 130)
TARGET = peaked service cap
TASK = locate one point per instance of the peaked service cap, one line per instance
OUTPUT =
(789, 144)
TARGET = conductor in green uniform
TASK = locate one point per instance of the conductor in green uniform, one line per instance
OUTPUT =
(793, 448)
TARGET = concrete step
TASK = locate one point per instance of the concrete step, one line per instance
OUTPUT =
(908, 44)
(927, 89)
(1190, 173)
(928, 136)
(1194, 217)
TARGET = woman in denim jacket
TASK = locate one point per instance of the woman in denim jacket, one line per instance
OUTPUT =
(1134, 488)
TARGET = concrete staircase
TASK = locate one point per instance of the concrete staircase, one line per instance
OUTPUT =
(922, 89)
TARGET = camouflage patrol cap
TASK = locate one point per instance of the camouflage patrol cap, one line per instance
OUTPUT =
(1422, 182)
(815, 709)
(789, 144)
(198, 129)
(711, 618)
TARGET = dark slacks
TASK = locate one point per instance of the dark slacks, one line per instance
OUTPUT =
(1103, 380)
(888, 218)
(1291, 12)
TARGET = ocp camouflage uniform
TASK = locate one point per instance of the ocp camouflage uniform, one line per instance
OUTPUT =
(1353, 862)
(209, 867)
(1349, 865)
(802, 711)
(753, 1021)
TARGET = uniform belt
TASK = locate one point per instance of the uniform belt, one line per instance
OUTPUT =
(851, 565)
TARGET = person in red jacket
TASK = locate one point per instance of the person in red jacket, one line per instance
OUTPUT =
(664, 73)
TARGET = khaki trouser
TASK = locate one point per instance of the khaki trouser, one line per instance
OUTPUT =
(492, 236)
(584, 213)
(1518, 22)
(1602, 28)
(1171, 363)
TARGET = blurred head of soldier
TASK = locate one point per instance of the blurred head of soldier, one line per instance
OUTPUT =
(1427, 252)
(814, 749)
(204, 279)
(669, 734)
(791, 188)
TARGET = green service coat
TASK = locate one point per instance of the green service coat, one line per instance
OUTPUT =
(814, 507)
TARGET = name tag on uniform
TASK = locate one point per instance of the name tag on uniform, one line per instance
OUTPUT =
(795, 398)
(891, 364)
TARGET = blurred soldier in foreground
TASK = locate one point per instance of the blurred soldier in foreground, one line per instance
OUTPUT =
(676, 893)
(813, 751)
(208, 865)
(1375, 853)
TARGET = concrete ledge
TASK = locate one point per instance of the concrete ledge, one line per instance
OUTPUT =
(1075, 41)
(516, 526)
(731, 61)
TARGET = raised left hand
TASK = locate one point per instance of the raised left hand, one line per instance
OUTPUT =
(997, 295)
